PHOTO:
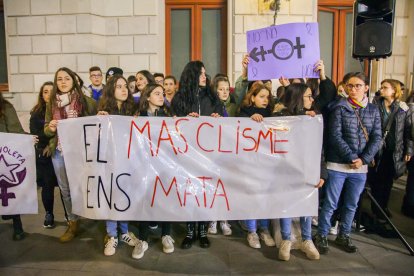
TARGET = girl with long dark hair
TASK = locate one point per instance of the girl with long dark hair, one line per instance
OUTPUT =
(66, 101)
(195, 98)
(143, 78)
(298, 99)
(152, 105)
(116, 100)
(46, 177)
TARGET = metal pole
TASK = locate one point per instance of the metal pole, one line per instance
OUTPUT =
(406, 244)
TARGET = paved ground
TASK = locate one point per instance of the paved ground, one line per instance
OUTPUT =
(42, 254)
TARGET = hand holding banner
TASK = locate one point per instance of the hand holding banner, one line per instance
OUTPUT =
(190, 169)
(288, 50)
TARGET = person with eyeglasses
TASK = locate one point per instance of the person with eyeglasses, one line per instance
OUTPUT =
(354, 137)
(297, 101)
(96, 86)
(397, 147)
(159, 78)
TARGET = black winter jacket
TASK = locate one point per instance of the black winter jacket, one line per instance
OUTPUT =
(159, 113)
(204, 106)
(346, 140)
(37, 122)
(327, 94)
(398, 140)
(248, 111)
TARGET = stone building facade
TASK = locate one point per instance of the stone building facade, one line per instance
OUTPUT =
(43, 35)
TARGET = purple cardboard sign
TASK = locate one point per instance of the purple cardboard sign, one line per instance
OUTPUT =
(288, 50)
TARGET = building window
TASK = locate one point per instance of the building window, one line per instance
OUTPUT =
(196, 30)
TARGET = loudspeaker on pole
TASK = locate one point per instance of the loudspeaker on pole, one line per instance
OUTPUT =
(373, 29)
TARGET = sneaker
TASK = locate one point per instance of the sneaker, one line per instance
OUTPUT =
(225, 228)
(49, 221)
(361, 227)
(110, 246)
(315, 221)
(167, 244)
(253, 240)
(345, 243)
(310, 250)
(153, 225)
(267, 238)
(212, 228)
(321, 243)
(284, 250)
(334, 230)
(129, 238)
(139, 249)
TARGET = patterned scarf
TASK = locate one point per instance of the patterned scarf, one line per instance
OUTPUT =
(68, 105)
(355, 104)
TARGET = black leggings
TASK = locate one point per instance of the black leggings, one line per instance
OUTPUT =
(46, 179)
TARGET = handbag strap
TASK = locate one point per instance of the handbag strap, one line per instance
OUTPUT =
(364, 130)
(389, 122)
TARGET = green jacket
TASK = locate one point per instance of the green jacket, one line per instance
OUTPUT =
(9, 122)
(240, 90)
(89, 109)
(231, 106)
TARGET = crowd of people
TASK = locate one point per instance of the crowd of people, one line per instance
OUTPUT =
(362, 142)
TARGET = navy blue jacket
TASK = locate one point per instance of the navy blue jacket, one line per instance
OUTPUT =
(346, 140)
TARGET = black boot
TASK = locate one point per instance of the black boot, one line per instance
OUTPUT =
(190, 237)
(202, 235)
(18, 233)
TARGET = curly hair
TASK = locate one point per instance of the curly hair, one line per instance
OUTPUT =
(188, 87)
(108, 102)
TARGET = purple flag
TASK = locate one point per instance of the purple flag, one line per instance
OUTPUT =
(288, 50)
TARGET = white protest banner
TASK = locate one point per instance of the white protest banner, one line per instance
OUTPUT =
(18, 189)
(189, 169)
(288, 50)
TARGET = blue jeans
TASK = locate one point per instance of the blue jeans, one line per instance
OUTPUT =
(252, 224)
(354, 184)
(305, 226)
(63, 182)
(111, 227)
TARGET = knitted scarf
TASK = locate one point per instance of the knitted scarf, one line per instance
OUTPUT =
(68, 105)
(356, 104)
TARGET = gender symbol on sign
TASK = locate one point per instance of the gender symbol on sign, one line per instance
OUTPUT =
(9, 177)
(281, 49)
